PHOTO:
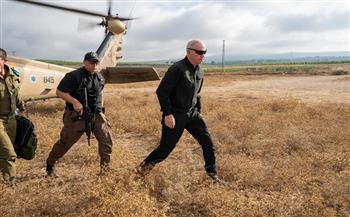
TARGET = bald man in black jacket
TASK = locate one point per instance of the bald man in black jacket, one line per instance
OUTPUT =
(180, 103)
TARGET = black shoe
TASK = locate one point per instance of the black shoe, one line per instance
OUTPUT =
(143, 169)
(11, 182)
(50, 169)
(104, 169)
(215, 177)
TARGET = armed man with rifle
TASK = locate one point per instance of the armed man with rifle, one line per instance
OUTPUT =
(84, 113)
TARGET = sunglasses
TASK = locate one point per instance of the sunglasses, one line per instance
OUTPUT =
(199, 52)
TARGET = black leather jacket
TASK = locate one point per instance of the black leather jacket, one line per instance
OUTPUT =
(179, 88)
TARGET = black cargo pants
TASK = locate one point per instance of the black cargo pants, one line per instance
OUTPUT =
(195, 125)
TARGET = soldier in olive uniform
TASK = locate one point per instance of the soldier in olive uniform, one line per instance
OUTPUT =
(69, 90)
(9, 102)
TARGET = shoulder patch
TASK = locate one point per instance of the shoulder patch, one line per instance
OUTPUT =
(15, 72)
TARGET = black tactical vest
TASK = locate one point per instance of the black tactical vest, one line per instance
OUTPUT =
(94, 85)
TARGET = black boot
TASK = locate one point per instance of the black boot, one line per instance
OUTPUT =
(215, 177)
(143, 169)
(10, 182)
(50, 169)
(105, 169)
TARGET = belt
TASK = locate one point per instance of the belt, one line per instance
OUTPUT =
(183, 111)
(72, 110)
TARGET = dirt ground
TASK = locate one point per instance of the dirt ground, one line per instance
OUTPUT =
(310, 89)
(278, 157)
(306, 88)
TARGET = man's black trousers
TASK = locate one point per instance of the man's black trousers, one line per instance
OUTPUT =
(195, 125)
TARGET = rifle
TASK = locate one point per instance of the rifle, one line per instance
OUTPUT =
(87, 115)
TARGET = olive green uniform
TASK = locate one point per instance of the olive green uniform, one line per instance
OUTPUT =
(9, 101)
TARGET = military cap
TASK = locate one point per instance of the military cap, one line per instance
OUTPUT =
(92, 57)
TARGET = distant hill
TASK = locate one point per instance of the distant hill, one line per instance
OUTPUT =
(281, 57)
(270, 58)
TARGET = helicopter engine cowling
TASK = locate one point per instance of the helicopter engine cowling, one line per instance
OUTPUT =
(116, 26)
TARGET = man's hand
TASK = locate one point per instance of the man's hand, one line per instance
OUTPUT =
(169, 121)
(78, 107)
(22, 113)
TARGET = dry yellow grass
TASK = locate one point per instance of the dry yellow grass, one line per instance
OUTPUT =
(279, 157)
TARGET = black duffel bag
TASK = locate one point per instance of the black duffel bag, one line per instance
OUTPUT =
(26, 140)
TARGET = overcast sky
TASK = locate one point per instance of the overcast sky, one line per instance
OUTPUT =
(164, 27)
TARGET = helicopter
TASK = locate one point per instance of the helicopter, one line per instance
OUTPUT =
(39, 80)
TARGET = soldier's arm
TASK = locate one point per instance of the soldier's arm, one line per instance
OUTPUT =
(21, 107)
(19, 102)
(78, 107)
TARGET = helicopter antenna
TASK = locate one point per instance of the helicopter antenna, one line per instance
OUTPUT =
(109, 7)
(127, 23)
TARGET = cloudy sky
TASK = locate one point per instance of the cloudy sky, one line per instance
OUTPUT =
(164, 27)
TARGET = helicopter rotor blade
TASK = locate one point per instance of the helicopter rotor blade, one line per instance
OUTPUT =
(128, 23)
(73, 10)
(85, 24)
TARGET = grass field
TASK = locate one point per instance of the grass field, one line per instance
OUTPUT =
(323, 68)
(280, 155)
